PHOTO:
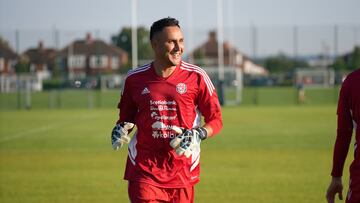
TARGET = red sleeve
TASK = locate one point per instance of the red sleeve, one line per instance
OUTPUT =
(344, 130)
(209, 105)
(126, 105)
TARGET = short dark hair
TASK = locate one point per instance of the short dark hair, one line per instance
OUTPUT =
(159, 25)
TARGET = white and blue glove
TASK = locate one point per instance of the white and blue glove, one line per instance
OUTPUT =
(187, 141)
(119, 134)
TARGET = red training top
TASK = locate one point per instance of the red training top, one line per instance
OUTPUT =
(155, 104)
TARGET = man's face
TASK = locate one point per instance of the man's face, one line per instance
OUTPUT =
(168, 45)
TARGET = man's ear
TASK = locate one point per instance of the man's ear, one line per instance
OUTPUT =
(153, 44)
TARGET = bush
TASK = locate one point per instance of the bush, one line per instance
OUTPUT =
(53, 84)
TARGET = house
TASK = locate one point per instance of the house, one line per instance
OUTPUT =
(91, 57)
(41, 60)
(8, 59)
(207, 55)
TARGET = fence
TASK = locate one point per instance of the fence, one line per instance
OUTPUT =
(92, 99)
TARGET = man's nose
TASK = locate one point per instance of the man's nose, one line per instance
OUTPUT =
(177, 46)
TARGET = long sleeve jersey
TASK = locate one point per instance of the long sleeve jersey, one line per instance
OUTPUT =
(348, 118)
(156, 104)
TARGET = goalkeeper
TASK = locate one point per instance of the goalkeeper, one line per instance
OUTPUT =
(165, 99)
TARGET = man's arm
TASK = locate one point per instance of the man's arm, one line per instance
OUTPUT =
(344, 130)
(209, 106)
(341, 148)
(127, 107)
(126, 120)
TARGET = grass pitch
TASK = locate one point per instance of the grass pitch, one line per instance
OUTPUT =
(263, 154)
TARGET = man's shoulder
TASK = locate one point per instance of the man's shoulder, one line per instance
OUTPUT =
(353, 77)
(190, 67)
(200, 73)
(193, 69)
(355, 73)
(138, 72)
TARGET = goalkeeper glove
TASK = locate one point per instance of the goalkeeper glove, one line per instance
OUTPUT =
(188, 140)
(119, 134)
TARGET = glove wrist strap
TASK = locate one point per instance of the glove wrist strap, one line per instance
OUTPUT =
(203, 133)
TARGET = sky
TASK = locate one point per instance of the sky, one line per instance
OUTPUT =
(36, 19)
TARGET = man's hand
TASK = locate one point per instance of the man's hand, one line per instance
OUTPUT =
(119, 134)
(188, 140)
(335, 186)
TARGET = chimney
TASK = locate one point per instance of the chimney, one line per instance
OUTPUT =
(212, 36)
(89, 39)
(227, 45)
(41, 45)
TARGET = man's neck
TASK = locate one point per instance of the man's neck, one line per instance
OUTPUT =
(162, 69)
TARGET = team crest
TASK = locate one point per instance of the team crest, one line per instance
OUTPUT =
(181, 88)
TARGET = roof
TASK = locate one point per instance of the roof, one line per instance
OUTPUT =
(210, 47)
(6, 51)
(41, 55)
(210, 51)
(92, 47)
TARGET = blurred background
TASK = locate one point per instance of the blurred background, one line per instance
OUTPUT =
(277, 65)
(50, 48)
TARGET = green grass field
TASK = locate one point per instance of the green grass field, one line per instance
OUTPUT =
(264, 154)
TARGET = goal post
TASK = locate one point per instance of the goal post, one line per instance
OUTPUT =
(314, 77)
(232, 83)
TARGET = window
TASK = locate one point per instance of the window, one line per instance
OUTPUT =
(76, 61)
(100, 61)
(114, 62)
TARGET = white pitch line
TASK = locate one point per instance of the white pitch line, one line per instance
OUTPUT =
(29, 132)
(43, 129)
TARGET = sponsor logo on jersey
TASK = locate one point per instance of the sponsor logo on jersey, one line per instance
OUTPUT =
(162, 105)
(162, 102)
(162, 117)
(158, 134)
(145, 91)
(153, 114)
(181, 88)
(162, 126)
(162, 108)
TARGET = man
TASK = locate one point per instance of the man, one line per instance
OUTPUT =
(165, 100)
(348, 118)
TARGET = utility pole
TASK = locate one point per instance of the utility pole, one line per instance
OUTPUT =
(336, 42)
(134, 42)
(295, 42)
(254, 41)
(190, 29)
(220, 50)
(17, 41)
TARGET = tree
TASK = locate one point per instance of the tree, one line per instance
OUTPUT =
(348, 62)
(23, 65)
(3, 41)
(354, 61)
(282, 63)
(123, 40)
(339, 64)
